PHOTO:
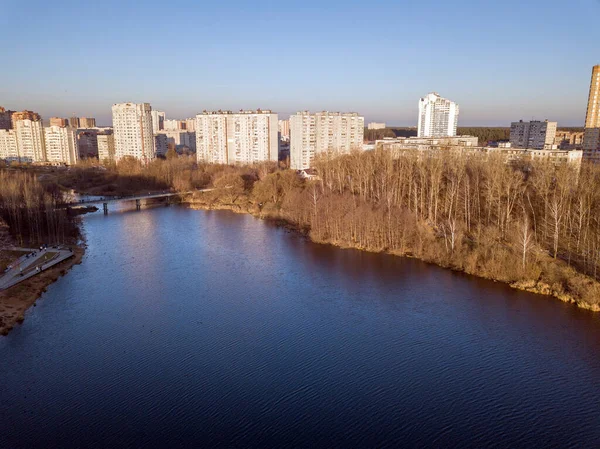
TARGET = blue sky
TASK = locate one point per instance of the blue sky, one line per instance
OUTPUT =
(500, 60)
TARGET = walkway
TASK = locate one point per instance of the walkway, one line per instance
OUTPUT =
(25, 267)
(114, 199)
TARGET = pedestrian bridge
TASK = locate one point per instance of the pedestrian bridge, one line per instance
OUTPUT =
(105, 201)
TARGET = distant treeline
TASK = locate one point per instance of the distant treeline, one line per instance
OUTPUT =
(485, 134)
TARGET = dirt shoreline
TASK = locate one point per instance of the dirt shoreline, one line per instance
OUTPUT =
(530, 286)
(15, 301)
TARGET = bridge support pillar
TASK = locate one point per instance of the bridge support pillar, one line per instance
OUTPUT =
(105, 206)
(138, 204)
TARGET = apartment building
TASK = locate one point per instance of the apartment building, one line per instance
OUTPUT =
(132, 125)
(30, 136)
(569, 140)
(243, 137)
(438, 117)
(58, 121)
(87, 122)
(323, 132)
(106, 147)
(61, 145)
(535, 134)
(87, 143)
(158, 121)
(376, 125)
(5, 118)
(591, 137)
(284, 129)
(160, 144)
(9, 150)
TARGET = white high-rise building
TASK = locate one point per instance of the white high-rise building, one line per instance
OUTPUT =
(438, 117)
(311, 134)
(61, 144)
(535, 134)
(8, 145)
(132, 125)
(106, 147)
(158, 121)
(30, 136)
(243, 137)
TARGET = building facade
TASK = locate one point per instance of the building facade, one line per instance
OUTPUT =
(158, 121)
(284, 129)
(9, 150)
(5, 118)
(30, 136)
(591, 137)
(87, 143)
(535, 134)
(106, 147)
(58, 121)
(87, 122)
(132, 127)
(61, 145)
(243, 137)
(323, 132)
(160, 144)
(438, 117)
(376, 125)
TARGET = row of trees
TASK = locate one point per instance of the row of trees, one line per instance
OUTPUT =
(30, 209)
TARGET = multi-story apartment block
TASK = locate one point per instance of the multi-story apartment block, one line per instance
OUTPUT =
(74, 122)
(87, 122)
(438, 117)
(161, 144)
(376, 125)
(106, 146)
(534, 134)
(321, 132)
(58, 121)
(9, 150)
(5, 118)
(30, 136)
(87, 143)
(591, 138)
(190, 125)
(284, 130)
(61, 145)
(132, 125)
(174, 125)
(158, 121)
(243, 137)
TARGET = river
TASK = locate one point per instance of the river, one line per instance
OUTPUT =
(186, 328)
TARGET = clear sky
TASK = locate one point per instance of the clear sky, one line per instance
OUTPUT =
(500, 60)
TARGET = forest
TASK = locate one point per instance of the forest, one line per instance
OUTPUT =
(30, 209)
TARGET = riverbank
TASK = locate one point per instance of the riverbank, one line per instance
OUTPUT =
(15, 301)
(538, 286)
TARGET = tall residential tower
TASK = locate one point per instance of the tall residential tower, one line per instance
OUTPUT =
(438, 117)
(243, 137)
(591, 137)
(322, 132)
(132, 125)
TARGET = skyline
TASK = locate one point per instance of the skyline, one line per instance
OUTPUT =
(371, 59)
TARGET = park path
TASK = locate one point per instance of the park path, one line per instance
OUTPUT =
(24, 267)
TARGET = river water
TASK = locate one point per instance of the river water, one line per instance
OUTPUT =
(186, 328)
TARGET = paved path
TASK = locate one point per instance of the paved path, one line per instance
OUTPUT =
(24, 267)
